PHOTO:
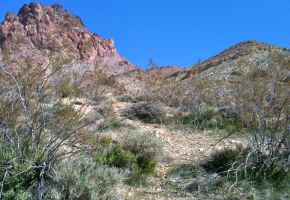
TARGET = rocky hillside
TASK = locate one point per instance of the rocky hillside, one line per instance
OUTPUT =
(241, 59)
(245, 65)
(81, 122)
(40, 32)
(247, 61)
(243, 56)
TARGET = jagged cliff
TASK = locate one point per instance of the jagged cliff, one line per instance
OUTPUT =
(38, 31)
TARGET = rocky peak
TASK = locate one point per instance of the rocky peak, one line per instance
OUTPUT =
(35, 13)
(10, 17)
(37, 31)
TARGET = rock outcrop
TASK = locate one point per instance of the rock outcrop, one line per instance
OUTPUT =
(38, 31)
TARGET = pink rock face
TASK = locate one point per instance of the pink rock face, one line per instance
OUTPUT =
(39, 31)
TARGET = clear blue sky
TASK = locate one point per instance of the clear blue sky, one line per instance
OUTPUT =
(178, 32)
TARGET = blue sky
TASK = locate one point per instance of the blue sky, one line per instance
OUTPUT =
(178, 32)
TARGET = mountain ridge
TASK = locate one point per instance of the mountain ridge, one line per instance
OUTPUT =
(38, 31)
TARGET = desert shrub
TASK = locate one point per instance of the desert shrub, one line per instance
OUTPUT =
(263, 105)
(264, 163)
(142, 144)
(146, 112)
(106, 141)
(118, 157)
(134, 167)
(269, 155)
(61, 110)
(205, 119)
(136, 154)
(222, 160)
(208, 119)
(19, 195)
(146, 147)
(97, 83)
(37, 131)
(82, 178)
(267, 117)
(169, 186)
(79, 178)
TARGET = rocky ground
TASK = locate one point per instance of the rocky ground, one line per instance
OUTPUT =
(179, 147)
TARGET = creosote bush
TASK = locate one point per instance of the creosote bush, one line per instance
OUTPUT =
(36, 130)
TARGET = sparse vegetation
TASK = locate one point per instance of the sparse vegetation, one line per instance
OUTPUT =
(78, 121)
(209, 119)
(184, 171)
(146, 112)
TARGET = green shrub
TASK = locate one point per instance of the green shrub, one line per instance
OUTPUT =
(137, 154)
(209, 119)
(118, 157)
(146, 147)
(146, 166)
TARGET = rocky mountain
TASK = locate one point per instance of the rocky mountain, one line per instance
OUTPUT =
(247, 66)
(40, 32)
